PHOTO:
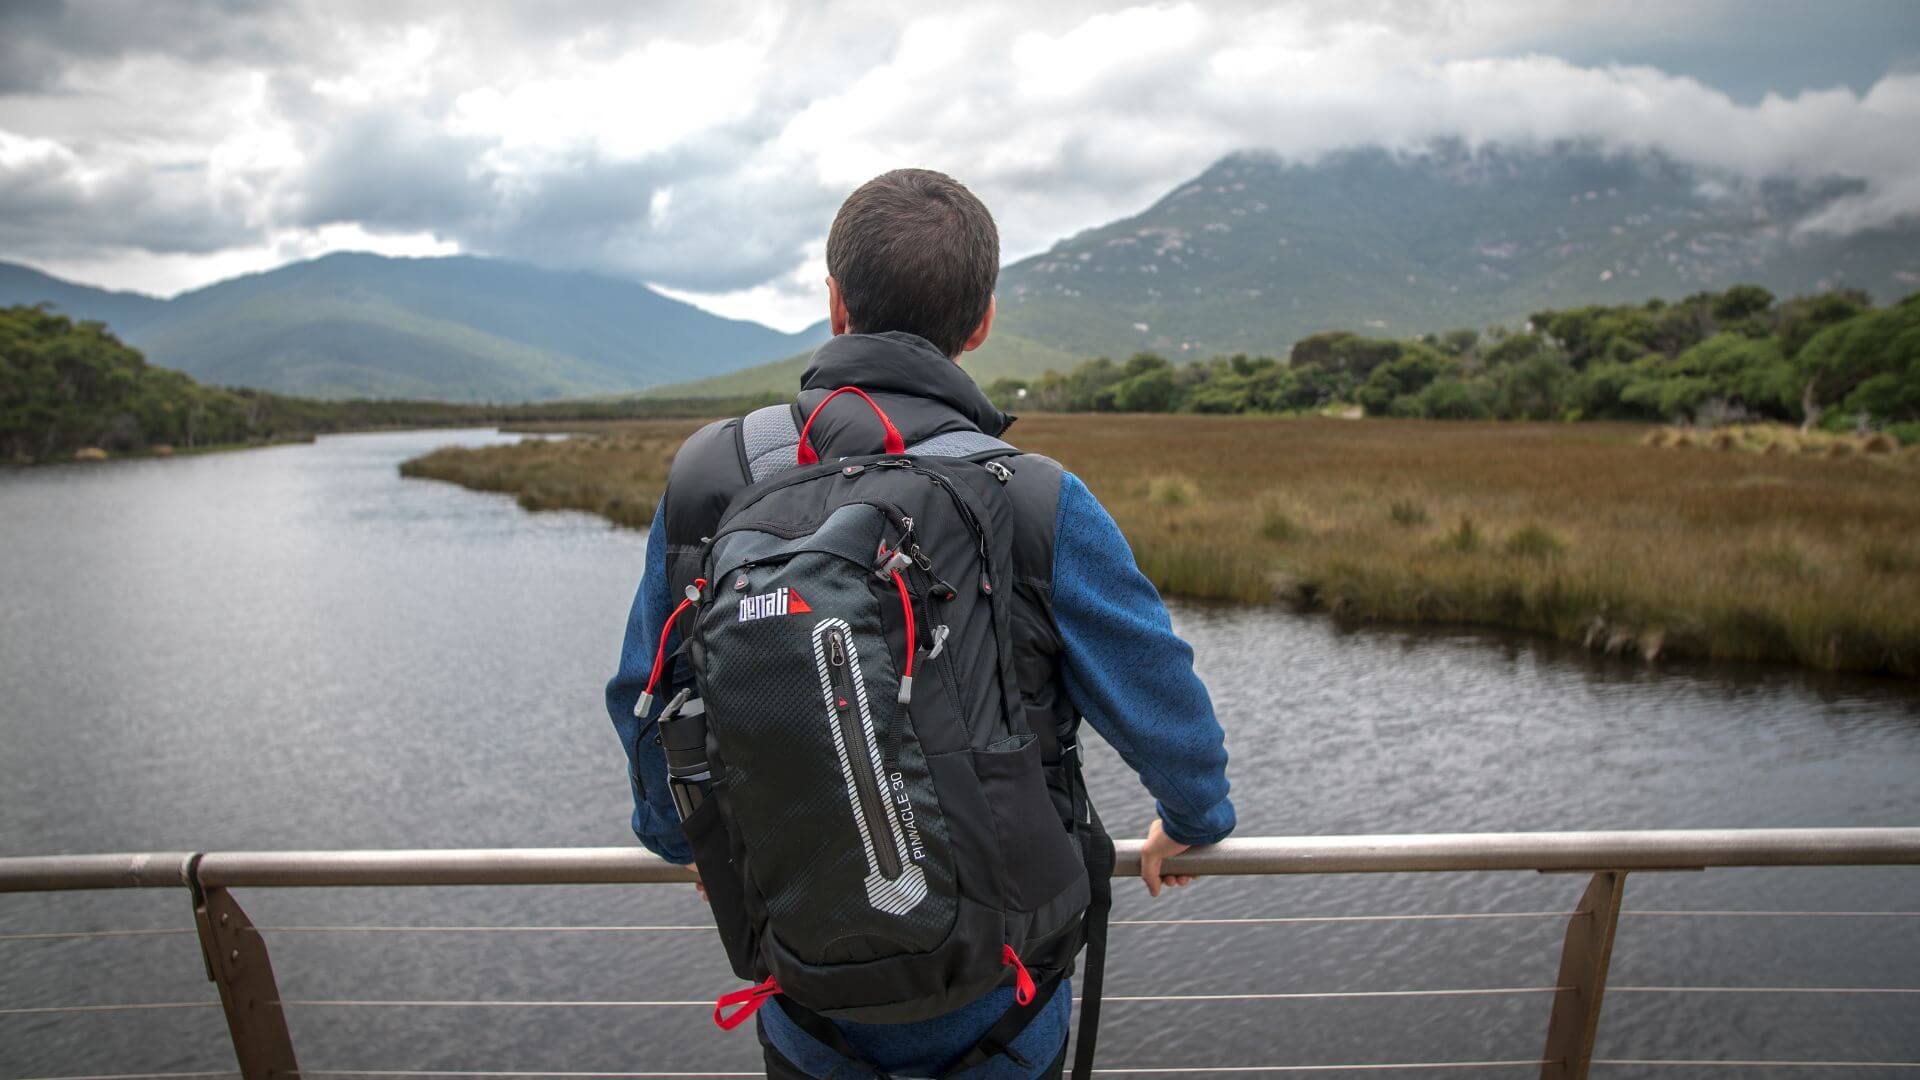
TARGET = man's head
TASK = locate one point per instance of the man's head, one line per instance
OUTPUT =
(913, 250)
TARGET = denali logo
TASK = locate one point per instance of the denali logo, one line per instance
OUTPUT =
(782, 601)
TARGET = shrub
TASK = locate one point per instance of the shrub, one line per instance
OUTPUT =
(1465, 537)
(1879, 443)
(1277, 522)
(1535, 542)
(1780, 559)
(1172, 489)
(1407, 513)
(1882, 557)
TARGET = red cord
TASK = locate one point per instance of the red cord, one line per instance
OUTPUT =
(805, 454)
(1022, 981)
(906, 605)
(660, 654)
(749, 1001)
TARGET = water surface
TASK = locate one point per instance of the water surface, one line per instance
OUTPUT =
(296, 648)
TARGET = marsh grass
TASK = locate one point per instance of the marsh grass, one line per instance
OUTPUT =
(1531, 541)
(1465, 537)
(1172, 489)
(1789, 556)
(618, 473)
(1578, 530)
(1407, 513)
(1775, 439)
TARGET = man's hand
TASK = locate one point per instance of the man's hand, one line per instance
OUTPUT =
(698, 885)
(1158, 848)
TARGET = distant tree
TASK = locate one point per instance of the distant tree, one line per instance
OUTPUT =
(1151, 391)
(1316, 350)
(1413, 371)
(1804, 316)
(1869, 363)
(1532, 389)
(1453, 398)
(1740, 303)
(1460, 342)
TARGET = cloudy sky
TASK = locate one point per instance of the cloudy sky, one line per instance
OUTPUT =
(703, 147)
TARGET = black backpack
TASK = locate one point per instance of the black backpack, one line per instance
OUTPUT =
(877, 839)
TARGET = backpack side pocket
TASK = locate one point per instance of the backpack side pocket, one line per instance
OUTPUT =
(706, 833)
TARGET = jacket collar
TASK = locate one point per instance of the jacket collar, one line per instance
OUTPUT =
(894, 362)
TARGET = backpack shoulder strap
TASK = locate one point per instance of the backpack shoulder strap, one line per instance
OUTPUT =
(961, 444)
(769, 439)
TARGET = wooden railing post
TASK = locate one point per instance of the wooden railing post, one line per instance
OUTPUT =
(1583, 979)
(236, 957)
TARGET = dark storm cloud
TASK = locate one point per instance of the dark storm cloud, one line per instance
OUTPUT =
(41, 39)
(393, 171)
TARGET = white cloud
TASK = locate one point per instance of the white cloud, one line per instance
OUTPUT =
(703, 148)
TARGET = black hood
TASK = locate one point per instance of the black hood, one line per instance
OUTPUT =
(899, 365)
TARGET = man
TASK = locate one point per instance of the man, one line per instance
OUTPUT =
(912, 259)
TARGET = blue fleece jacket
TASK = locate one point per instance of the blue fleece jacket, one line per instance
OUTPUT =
(1128, 675)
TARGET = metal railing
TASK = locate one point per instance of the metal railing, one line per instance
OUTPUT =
(235, 951)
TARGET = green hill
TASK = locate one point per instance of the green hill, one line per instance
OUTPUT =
(1004, 355)
(456, 329)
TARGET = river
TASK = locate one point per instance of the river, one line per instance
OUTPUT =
(294, 647)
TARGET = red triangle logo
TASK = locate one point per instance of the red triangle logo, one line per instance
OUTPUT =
(795, 605)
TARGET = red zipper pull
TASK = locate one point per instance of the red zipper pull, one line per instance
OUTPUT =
(906, 607)
(1022, 981)
(749, 1001)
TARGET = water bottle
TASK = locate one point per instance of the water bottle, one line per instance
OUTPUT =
(683, 735)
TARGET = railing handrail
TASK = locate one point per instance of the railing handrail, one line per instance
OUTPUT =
(1671, 849)
(235, 950)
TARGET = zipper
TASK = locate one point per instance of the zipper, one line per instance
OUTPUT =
(893, 514)
(853, 736)
(973, 525)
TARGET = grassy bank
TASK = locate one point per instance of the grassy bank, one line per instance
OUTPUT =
(1578, 531)
(616, 470)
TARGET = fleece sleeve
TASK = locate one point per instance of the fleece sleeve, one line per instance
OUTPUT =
(655, 821)
(1131, 676)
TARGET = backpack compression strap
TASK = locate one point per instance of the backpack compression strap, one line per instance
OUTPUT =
(1096, 848)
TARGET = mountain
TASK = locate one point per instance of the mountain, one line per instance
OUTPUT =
(1256, 252)
(121, 310)
(460, 328)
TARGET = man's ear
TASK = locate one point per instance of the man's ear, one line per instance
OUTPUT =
(836, 308)
(979, 335)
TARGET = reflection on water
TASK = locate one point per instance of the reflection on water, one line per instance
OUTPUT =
(294, 647)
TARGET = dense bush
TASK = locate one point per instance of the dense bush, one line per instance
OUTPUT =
(66, 385)
(1739, 354)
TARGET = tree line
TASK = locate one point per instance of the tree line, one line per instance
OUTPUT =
(1832, 359)
(67, 386)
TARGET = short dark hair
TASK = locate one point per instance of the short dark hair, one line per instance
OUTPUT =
(914, 250)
